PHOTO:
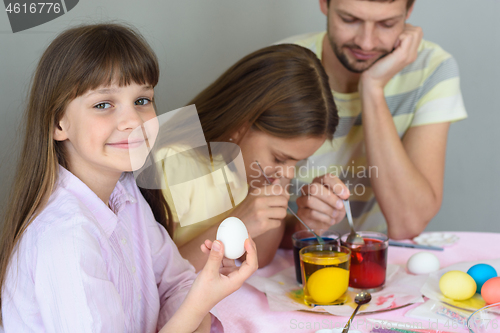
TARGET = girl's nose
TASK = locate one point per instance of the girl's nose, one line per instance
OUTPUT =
(286, 172)
(129, 118)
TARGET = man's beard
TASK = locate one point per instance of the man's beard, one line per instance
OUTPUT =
(342, 57)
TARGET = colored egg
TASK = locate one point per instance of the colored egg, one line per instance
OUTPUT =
(457, 285)
(491, 290)
(422, 263)
(327, 284)
(481, 273)
(232, 232)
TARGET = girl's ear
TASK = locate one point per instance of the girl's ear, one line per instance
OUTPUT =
(59, 132)
(237, 135)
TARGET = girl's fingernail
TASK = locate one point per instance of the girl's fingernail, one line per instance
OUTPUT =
(339, 204)
(335, 213)
(216, 246)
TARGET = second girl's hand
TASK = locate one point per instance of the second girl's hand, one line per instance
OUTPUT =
(320, 240)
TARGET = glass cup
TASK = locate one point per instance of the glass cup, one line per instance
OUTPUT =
(325, 272)
(485, 320)
(303, 238)
(368, 262)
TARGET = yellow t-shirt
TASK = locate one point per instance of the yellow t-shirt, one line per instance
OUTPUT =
(200, 191)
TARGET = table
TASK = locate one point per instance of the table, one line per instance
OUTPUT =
(247, 309)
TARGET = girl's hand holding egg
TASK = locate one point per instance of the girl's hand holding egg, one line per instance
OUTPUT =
(220, 277)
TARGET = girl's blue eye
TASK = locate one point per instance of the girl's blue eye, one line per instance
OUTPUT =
(142, 101)
(102, 106)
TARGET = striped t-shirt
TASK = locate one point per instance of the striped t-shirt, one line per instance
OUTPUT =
(426, 91)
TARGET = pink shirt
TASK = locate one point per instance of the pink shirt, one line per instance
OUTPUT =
(80, 267)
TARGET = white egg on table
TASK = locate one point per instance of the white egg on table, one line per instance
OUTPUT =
(232, 232)
(422, 263)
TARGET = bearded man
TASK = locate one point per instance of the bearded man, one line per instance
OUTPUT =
(397, 95)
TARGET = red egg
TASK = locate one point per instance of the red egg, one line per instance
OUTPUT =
(491, 290)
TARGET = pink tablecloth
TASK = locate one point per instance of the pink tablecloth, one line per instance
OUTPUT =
(247, 309)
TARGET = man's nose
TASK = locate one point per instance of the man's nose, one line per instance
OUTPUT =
(366, 36)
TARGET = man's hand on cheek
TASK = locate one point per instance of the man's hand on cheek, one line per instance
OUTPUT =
(405, 52)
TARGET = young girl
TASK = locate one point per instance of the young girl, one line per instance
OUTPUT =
(277, 106)
(81, 250)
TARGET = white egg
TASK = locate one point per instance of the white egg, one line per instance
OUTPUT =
(232, 232)
(423, 263)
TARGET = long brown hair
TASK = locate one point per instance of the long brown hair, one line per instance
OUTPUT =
(78, 60)
(281, 90)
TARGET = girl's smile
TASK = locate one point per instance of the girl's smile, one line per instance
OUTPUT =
(126, 144)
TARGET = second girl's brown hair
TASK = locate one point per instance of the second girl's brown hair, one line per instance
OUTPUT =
(281, 90)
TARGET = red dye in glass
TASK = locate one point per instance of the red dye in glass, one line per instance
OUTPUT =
(368, 264)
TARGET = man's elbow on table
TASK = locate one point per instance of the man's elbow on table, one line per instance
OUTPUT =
(410, 224)
(407, 230)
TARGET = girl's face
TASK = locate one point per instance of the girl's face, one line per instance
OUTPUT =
(96, 128)
(276, 156)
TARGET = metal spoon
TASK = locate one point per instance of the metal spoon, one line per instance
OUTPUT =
(320, 240)
(360, 299)
(353, 237)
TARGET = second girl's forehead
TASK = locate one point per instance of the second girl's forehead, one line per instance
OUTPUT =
(298, 148)
(115, 89)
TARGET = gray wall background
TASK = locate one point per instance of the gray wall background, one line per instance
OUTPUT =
(196, 40)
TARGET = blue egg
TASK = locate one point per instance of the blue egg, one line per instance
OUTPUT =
(481, 273)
